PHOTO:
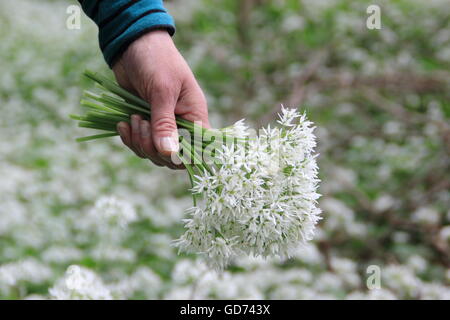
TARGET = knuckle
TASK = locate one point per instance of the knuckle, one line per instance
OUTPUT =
(164, 123)
(162, 87)
(200, 113)
(200, 106)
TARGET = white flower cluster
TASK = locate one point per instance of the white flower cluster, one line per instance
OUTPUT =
(80, 284)
(261, 200)
(29, 270)
(114, 211)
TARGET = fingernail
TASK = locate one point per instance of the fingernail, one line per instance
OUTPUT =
(121, 128)
(169, 144)
(145, 129)
(134, 122)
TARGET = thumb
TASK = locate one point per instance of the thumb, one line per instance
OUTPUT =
(163, 126)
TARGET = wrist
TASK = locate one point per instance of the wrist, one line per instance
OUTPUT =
(157, 35)
(154, 39)
(122, 22)
(151, 41)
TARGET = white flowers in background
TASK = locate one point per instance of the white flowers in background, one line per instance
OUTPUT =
(112, 210)
(261, 200)
(193, 279)
(108, 221)
(113, 253)
(378, 294)
(347, 270)
(29, 270)
(426, 215)
(401, 279)
(80, 284)
(61, 254)
(444, 234)
(384, 202)
(417, 263)
(144, 280)
(341, 218)
(434, 291)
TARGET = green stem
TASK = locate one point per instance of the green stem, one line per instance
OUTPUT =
(97, 136)
(196, 161)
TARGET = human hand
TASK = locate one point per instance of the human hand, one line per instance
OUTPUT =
(153, 68)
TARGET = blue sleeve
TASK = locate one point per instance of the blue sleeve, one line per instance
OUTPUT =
(120, 22)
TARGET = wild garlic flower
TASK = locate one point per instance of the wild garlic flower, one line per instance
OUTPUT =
(261, 200)
(113, 211)
(28, 270)
(80, 284)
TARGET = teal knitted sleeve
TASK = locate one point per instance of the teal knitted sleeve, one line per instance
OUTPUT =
(120, 22)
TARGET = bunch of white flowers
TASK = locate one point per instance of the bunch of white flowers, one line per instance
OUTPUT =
(259, 191)
(261, 199)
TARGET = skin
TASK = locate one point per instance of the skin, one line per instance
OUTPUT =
(153, 68)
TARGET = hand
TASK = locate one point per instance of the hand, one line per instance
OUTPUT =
(153, 68)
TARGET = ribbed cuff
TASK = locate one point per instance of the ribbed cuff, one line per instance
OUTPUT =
(121, 22)
(156, 21)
